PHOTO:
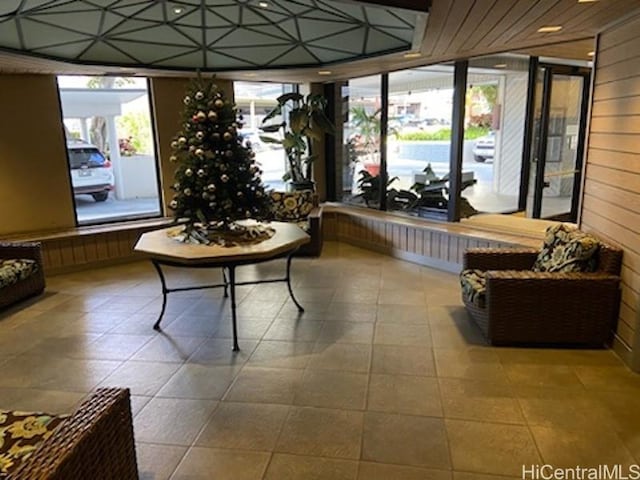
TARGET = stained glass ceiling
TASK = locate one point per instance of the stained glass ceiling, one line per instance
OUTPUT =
(211, 35)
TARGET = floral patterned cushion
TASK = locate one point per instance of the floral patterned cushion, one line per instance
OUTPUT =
(567, 249)
(291, 206)
(14, 270)
(20, 434)
(474, 287)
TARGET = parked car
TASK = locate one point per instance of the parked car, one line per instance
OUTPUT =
(484, 148)
(91, 172)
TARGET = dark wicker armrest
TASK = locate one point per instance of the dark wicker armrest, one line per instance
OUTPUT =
(31, 250)
(500, 258)
(95, 443)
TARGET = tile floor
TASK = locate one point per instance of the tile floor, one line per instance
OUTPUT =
(382, 378)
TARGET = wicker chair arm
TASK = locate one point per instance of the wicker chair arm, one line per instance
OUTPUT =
(31, 250)
(500, 258)
(95, 442)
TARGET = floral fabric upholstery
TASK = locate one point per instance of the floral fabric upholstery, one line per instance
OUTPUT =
(567, 249)
(20, 434)
(291, 206)
(474, 289)
(14, 270)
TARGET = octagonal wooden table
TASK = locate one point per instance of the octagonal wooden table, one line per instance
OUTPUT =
(165, 250)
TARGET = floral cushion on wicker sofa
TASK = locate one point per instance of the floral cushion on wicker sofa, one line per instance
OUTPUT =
(14, 270)
(20, 434)
(567, 249)
(474, 288)
(291, 206)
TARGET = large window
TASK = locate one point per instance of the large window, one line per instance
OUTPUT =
(110, 148)
(255, 100)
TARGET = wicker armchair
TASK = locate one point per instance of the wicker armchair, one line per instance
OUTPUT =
(34, 284)
(96, 442)
(536, 308)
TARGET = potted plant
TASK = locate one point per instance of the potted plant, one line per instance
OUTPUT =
(366, 140)
(306, 121)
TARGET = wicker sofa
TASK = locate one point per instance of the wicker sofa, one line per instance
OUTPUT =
(21, 272)
(95, 442)
(300, 207)
(523, 306)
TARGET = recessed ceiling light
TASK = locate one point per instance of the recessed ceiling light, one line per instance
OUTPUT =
(177, 10)
(591, 54)
(325, 72)
(587, 1)
(500, 65)
(550, 29)
(250, 74)
(412, 55)
(263, 4)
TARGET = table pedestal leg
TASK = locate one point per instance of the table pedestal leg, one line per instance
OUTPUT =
(156, 326)
(289, 258)
(232, 288)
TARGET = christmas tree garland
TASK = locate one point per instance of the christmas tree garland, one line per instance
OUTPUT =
(217, 180)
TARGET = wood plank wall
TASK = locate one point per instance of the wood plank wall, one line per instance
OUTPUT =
(440, 246)
(611, 200)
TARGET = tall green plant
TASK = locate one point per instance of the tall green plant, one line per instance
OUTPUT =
(306, 120)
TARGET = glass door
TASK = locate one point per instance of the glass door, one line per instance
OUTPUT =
(558, 144)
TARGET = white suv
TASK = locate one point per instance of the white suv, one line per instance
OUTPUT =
(91, 172)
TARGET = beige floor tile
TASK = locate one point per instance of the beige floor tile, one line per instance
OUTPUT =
(199, 382)
(565, 408)
(542, 375)
(475, 400)
(281, 354)
(608, 378)
(167, 348)
(157, 462)
(202, 463)
(350, 357)
(33, 400)
(137, 403)
(248, 327)
(491, 448)
(250, 308)
(456, 335)
(352, 312)
(140, 324)
(405, 440)
(381, 471)
(403, 360)
(331, 389)
(172, 421)
(624, 408)
(72, 346)
(473, 363)
(448, 315)
(143, 378)
(265, 385)
(322, 432)
(189, 325)
(410, 395)
(294, 330)
(568, 448)
(395, 334)
(116, 346)
(401, 297)
(299, 467)
(245, 426)
(346, 332)
(313, 311)
(481, 476)
(218, 352)
(405, 314)
(555, 356)
(360, 295)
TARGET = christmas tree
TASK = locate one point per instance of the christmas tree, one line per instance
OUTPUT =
(217, 181)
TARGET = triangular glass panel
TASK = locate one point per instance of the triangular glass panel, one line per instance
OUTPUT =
(275, 17)
(329, 55)
(322, 14)
(258, 55)
(9, 35)
(33, 4)
(129, 8)
(9, 6)
(274, 31)
(64, 8)
(352, 41)
(190, 60)
(103, 53)
(70, 50)
(155, 13)
(380, 42)
(231, 14)
(148, 53)
(383, 18)
(404, 34)
(298, 7)
(312, 29)
(160, 34)
(243, 37)
(218, 61)
(253, 17)
(37, 34)
(214, 20)
(129, 25)
(110, 20)
(352, 11)
(297, 56)
(86, 22)
(192, 18)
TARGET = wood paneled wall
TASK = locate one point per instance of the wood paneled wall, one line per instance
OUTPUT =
(611, 200)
